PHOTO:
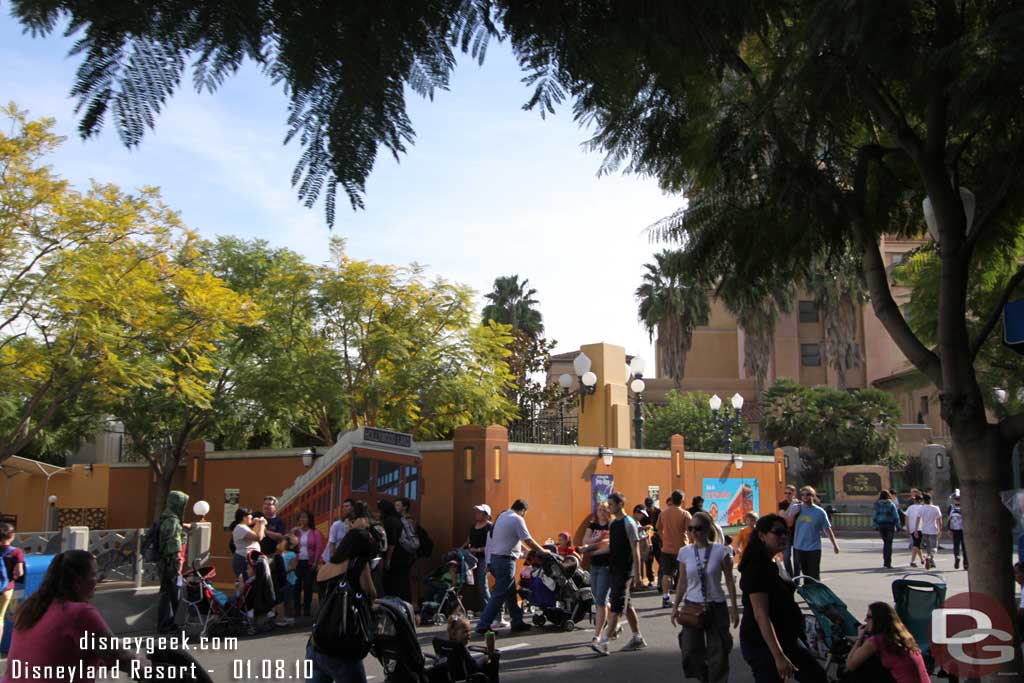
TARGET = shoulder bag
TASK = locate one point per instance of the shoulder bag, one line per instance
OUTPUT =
(691, 615)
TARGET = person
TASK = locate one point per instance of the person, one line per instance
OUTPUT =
(643, 524)
(884, 647)
(789, 497)
(808, 521)
(1018, 576)
(743, 537)
(706, 648)
(564, 547)
(275, 527)
(896, 501)
(929, 522)
(397, 561)
(171, 558)
(624, 552)
(653, 514)
(289, 559)
(337, 530)
(672, 526)
(437, 586)
(595, 545)
(246, 536)
(955, 524)
(310, 546)
(51, 623)
(351, 559)
(476, 543)
(458, 631)
(697, 505)
(503, 549)
(886, 520)
(772, 623)
(14, 564)
(915, 536)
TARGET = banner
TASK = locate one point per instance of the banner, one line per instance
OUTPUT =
(231, 497)
(654, 493)
(601, 486)
(727, 500)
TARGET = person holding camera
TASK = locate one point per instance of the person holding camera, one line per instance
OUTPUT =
(246, 537)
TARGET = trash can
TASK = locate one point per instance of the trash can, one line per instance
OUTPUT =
(35, 570)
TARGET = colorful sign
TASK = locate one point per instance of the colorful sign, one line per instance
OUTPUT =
(727, 500)
(601, 486)
(654, 493)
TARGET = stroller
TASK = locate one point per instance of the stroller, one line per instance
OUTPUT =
(203, 610)
(830, 628)
(450, 602)
(915, 599)
(556, 590)
(396, 647)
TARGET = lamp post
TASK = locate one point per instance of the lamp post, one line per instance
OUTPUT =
(588, 380)
(309, 456)
(727, 420)
(636, 368)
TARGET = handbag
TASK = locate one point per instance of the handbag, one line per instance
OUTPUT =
(691, 615)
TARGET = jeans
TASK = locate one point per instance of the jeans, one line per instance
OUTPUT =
(167, 606)
(504, 569)
(239, 565)
(327, 668)
(396, 581)
(762, 664)
(886, 531)
(809, 561)
(787, 557)
(958, 544)
(303, 587)
(706, 650)
(600, 583)
(482, 586)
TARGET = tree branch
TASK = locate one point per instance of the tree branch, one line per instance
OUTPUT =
(993, 316)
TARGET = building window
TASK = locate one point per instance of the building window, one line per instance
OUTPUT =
(808, 312)
(388, 475)
(810, 355)
(412, 489)
(896, 259)
(360, 474)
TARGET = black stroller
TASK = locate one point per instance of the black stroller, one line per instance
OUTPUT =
(396, 647)
(558, 591)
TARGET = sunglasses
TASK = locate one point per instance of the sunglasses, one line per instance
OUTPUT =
(806, 495)
(697, 528)
(778, 531)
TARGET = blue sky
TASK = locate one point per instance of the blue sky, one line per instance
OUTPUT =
(488, 189)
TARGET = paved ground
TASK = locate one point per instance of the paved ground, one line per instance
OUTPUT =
(549, 655)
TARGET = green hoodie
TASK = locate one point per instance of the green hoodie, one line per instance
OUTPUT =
(172, 534)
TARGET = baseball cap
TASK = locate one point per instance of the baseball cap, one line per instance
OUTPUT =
(484, 508)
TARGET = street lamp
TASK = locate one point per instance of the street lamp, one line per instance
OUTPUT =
(607, 455)
(637, 386)
(201, 509)
(727, 420)
(588, 380)
(308, 456)
(52, 500)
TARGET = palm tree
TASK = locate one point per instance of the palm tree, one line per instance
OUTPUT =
(838, 289)
(673, 305)
(513, 304)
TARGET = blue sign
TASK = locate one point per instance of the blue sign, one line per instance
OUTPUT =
(601, 486)
(727, 500)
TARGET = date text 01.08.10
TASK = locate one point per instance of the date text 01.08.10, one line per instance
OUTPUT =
(271, 669)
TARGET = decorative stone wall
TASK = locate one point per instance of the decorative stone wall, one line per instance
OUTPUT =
(94, 518)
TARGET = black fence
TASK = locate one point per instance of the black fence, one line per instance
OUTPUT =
(559, 431)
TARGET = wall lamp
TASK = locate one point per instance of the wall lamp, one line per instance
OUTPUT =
(309, 456)
(607, 455)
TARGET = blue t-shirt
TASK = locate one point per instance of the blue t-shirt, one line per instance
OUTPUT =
(810, 522)
(288, 556)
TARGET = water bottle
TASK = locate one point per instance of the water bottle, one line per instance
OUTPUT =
(489, 638)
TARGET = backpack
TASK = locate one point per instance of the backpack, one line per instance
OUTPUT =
(343, 626)
(426, 545)
(409, 540)
(4, 578)
(151, 543)
(380, 537)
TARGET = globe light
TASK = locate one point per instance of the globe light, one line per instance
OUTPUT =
(581, 364)
(201, 508)
(715, 402)
(637, 386)
(739, 462)
(1000, 395)
(588, 379)
(53, 500)
(565, 380)
(637, 365)
(737, 401)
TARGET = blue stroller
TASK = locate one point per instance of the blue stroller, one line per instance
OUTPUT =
(916, 596)
(830, 628)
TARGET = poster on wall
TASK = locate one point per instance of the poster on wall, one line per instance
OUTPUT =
(231, 497)
(727, 500)
(601, 486)
(654, 493)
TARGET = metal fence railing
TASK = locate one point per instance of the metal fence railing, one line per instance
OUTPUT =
(118, 552)
(559, 431)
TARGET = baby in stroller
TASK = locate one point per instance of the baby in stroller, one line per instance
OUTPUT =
(557, 587)
(444, 587)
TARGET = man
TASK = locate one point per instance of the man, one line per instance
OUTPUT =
(672, 524)
(808, 521)
(275, 529)
(624, 553)
(643, 523)
(14, 569)
(503, 549)
(956, 529)
(783, 510)
(337, 530)
(171, 557)
(915, 535)
(653, 513)
(929, 522)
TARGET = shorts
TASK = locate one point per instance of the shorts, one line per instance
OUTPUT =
(618, 594)
(600, 583)
(5, 602)
(239, 564)
(915, 539)
(668, 565)
(929, 542)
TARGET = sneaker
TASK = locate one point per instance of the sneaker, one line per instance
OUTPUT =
(637, 642)
(618, 631)
(666, 603)
(913, 564)
(519, 628)
(600, 647)
(284, 621)
(504, 623)
(956, 563)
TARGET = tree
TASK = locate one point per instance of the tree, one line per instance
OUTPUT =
(689, 414)
(513, 304)
(673, 304)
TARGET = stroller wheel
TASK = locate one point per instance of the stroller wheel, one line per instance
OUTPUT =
(569, 625)
(539, 620)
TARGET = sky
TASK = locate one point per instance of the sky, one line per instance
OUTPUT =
(486, 190)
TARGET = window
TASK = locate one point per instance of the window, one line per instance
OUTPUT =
(360, 474)
(810, 355)
(412, 475)
(388, 475)
(808, 312)
(856, 356)
(896, 259)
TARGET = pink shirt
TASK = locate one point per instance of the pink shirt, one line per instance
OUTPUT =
(312, 541)
(54, 641)
(905, 667)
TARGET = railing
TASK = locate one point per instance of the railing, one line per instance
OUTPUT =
(117, 552)
(39, 542)
(559, 431)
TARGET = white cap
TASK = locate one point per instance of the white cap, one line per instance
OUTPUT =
(484, 508)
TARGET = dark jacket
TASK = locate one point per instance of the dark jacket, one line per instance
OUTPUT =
(172, 533)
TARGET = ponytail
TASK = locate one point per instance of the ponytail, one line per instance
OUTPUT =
(756, 551)
(59, 584)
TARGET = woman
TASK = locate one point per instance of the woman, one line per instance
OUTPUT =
(397, 561)
(743, 537)
(311, 544)
(701, 565)
(51, 623)
(772, 622)
(644, 531)
(885, 650)
(246, 536)
(595, 544)
(886, 520)
(351, 559)
(476, 543)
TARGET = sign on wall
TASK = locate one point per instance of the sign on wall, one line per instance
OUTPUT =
(862, 483)
(727, 500)
(654, 493)
(601, 486)
(231, 498)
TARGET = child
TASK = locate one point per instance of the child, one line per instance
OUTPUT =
(458, 632)
(565, 544)
(743, 537)
(14, 564)
(289, 558)
(450, 578)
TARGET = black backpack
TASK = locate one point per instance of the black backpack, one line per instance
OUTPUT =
(343, 627)
(426, 548)
(151, 543)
